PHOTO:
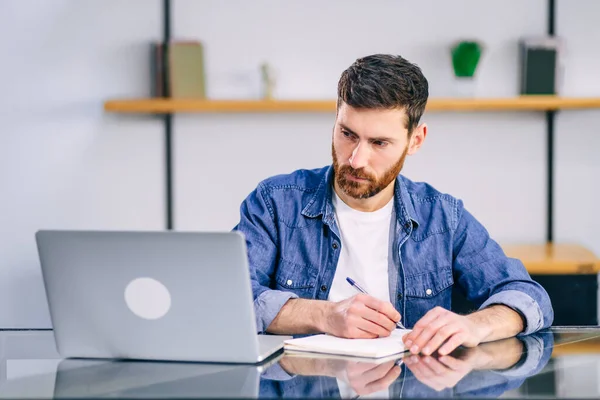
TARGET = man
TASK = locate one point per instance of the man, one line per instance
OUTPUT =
(404, 243)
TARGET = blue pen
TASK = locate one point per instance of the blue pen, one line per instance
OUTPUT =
(357, 286)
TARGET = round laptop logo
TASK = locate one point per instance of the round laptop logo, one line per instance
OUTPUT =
(147, 298)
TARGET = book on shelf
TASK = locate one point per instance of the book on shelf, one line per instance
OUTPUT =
(177, 70)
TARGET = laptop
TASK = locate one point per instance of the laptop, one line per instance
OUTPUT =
(176, 296)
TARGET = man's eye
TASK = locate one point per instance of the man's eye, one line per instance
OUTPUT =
(380, 143)
(347, 134)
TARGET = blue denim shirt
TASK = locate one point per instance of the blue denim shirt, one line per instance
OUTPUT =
(294, 246)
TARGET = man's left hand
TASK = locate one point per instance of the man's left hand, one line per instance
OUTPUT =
(444, 331)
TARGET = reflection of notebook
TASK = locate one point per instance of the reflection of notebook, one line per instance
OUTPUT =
(398, 357)
(369, 348)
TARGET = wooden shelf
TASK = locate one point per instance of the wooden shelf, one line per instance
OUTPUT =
(557, 258)
(162, 105)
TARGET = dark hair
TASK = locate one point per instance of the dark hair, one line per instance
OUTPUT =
(385, 81)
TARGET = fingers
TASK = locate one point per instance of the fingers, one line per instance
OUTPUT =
(456, 340)
(379, 319)
(374, 379)
(384, 382)
(442, 334)
(438, 329)
(363, 316)
(356, 370)
(437, 367)
(384, 307)
(453, 363)
(362, 306)
(433, 323)
(377, 373)
(429, 317)
(433, 373)
(358, 333)
(423, 373)
(365, 324)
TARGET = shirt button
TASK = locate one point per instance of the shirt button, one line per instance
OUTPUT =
(407, 225)
(399, 296)
(289, 282)
(428, 292)
(334, 245)
(324, 288)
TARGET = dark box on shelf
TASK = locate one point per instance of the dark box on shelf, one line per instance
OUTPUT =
(539, 59)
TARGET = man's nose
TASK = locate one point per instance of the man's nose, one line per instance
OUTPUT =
(359, 156)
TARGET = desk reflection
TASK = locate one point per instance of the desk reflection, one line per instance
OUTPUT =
(128, 379)
(488, 370)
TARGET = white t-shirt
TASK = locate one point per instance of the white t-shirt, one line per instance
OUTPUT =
(364, 253)
(364, 258)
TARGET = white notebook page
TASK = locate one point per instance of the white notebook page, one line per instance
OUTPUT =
(373, 348)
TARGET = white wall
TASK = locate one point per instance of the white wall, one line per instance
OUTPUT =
(577, 186)
(64, 163)
(493, 161)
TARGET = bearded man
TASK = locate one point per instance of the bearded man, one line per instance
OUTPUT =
(404, 243)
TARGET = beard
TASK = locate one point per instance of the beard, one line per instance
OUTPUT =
(371, 186)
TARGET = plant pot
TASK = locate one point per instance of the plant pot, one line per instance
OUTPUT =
(464, 86)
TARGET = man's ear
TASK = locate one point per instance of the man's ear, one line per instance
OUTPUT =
(417, 138)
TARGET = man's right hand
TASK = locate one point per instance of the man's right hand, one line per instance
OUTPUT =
(361, 317)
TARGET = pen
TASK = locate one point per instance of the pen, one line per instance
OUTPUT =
(357, 286)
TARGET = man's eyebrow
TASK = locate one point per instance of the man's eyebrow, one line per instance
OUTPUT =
(382, 139)
(344, 127)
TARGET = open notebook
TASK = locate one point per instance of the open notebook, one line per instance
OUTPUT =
(368, 348)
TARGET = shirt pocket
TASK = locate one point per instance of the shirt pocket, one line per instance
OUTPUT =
(295, 278)
(426, 291)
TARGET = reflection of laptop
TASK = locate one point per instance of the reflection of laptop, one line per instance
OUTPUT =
(180, 296)
(86, 378)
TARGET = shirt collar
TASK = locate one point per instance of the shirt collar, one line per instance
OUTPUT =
(320, 204)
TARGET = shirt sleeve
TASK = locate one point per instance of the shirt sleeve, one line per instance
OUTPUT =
(487, 276)
(537, 350)
(258, 226)
(536, 353)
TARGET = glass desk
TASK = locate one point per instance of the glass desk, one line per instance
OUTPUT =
(562, 362)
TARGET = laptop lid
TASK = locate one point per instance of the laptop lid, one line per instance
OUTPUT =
(150, 295)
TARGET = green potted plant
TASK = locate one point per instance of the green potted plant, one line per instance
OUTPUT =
(466, 55)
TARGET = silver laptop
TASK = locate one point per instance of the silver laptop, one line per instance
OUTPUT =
(178, 296)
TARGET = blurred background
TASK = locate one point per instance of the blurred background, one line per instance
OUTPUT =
(67, 163)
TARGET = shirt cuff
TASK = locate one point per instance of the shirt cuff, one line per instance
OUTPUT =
(534, 350)
(521, 303)
(276, 373)
(267, 305)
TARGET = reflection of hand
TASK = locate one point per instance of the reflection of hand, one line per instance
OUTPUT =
(364, 377)
(361, 316)
(441, 372)
(438, 373)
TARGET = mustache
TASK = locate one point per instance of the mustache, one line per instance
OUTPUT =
(357, 173)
